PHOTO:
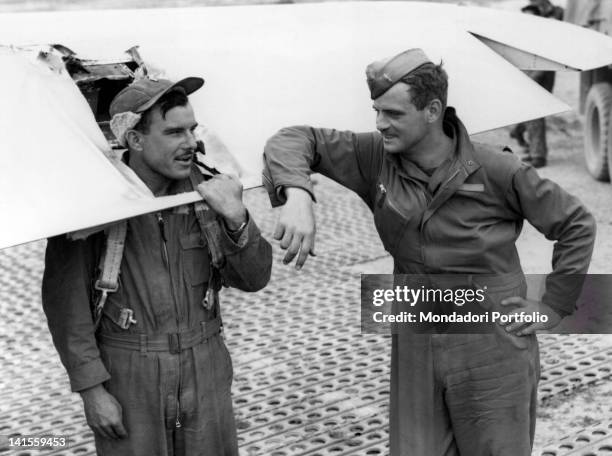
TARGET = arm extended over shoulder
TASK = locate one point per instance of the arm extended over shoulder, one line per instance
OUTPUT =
(292, 154)
(66, 293)
(563, 218)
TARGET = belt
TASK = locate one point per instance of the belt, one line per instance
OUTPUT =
(497, 282)
(173, 343)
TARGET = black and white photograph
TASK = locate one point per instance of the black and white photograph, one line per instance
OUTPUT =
(306, 228)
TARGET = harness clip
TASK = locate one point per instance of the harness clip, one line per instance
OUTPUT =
(126, 318)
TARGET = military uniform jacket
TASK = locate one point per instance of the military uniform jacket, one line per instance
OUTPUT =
(164, 275)
(464, 219)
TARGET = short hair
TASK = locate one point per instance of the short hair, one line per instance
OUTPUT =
(427, 83)
(171, 99)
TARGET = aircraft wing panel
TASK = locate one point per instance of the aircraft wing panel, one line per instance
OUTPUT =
(56, 177)
(265, 67)
(573, 46)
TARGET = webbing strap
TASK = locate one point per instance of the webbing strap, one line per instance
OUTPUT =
(209, 225)
(211, 230)
(110, 265)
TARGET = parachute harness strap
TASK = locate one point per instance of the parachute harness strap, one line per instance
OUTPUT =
(110, 265)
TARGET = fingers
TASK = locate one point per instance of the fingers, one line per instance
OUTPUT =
(312, 246)
(296, 244)
(515, 327)
(279, 231)
(104, 416)
(103, 432)
(293, 249)
(514, 301)
(220, 181)
(523, 306)
(119, 430)
(530, 329)
(287, 239)
(110, 430)
(307, 248)
(296, 230)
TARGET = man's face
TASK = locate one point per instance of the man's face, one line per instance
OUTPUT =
(398, 120)
(168, 148)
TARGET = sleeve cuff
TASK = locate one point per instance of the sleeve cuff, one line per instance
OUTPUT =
(277, 195)
(231, 246)
(564, 309)
(86, 375)
(562, 292)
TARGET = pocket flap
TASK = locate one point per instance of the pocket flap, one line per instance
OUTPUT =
(192, 241)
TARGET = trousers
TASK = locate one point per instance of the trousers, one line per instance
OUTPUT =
(174, 404)
(463, 395)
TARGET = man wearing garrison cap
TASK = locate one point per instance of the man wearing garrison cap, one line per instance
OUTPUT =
(442, 205)
(151, 365)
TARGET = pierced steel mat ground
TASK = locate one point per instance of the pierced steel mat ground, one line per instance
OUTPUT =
(594, 441)
(306, 381)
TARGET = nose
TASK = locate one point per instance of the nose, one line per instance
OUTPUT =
(381, 122)
(192, 140)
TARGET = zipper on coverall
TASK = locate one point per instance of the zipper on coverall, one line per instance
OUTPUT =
(162, 229)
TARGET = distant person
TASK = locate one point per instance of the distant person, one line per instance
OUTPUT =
(535, 146)
(545, 9)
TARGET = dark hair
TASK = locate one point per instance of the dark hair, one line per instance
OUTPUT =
(172, 99)
(427, 83)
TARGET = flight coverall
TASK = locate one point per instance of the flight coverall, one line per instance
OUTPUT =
(452, 394)
(174, 389)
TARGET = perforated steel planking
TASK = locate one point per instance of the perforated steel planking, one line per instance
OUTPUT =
(307, 382)
(570, 362)
(594, 440)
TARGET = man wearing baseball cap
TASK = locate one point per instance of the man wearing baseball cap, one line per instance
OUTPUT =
(151, 366)
(442, 205)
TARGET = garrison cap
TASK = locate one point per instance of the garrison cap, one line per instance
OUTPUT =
(143, 93)
(383, 74)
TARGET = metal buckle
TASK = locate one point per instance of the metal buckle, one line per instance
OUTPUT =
(174, 343)
(104, 289)
(126, 318)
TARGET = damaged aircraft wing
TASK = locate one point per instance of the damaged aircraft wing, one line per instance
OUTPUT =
(265, 67)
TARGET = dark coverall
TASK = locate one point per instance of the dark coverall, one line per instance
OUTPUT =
(467, 394)
(174, 402)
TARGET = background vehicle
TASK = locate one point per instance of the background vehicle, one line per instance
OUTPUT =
(595, 89)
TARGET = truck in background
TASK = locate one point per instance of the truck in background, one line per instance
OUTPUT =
(595, 89)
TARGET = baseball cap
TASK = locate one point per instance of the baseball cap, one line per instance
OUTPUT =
(144, 93)
(383, 74)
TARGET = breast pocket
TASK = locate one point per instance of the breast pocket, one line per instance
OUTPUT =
(195, 259)
(390, 223)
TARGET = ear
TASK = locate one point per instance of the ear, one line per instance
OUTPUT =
(434, 110)
(134, 140)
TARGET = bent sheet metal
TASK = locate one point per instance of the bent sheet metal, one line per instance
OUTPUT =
(265, 67)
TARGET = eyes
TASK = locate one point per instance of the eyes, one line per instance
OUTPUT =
(390, 113)
(175, 132)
